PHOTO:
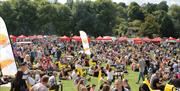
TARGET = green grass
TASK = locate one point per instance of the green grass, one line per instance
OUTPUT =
(132, 79)
(68, 85)
(4, 89)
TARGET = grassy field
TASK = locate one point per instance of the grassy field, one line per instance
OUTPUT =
(69, 86)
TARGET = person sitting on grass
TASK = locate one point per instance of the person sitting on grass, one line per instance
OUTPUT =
(92, 88)
(118, 86)
(63, 75)
(42, 86)
(74, 74)
(126, 84)
(81, 85)
(106, 88)
(96, 71)
(155, 82)
(52, 82)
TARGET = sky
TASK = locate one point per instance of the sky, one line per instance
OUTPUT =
(169, 2)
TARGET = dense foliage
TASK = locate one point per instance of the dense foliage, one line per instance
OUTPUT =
(99, 18)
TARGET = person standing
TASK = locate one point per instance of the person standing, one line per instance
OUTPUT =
(155, 82)
(19, 84)
(142, 64)
(32, 56)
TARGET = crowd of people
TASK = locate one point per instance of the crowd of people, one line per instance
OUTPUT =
(43, 65)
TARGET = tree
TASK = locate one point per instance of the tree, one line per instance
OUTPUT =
(174, 12)
(166, 24)
(175, 16)
(55, 19)
(8, 13)
(106, 17)
(150, 27)
(135, 12)
(99, 18)
(26, 16)
(122, 4)
(150, 8)
(163, 6)
(121, 12)
(84, 17)
(121, 28)
(167, 27)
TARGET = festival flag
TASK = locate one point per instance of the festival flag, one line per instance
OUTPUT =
(7, 61)
(85, 43)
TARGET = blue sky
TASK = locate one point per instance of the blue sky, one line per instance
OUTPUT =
(169, 2)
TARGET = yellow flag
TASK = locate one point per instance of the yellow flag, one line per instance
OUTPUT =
(99, 76)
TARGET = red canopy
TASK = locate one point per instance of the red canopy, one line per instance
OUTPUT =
(171, 38)
(99, 38)
(13, 38)
(21, 36)
(178, 40)
(76, 38)
(146, 39)
(156, 40)
(107, 38)
(122, 39)
(40, 37)
(64, 38)
(32, 37)
(137, 40)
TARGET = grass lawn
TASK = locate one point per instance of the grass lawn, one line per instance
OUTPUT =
(132, 79)
(69, 86)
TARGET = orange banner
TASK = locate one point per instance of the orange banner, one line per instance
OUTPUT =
(5, 63)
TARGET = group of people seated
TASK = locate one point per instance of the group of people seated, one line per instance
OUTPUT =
(51, 62)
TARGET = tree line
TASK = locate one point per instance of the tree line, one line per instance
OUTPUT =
(99, 18)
